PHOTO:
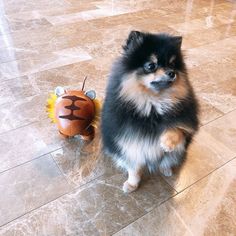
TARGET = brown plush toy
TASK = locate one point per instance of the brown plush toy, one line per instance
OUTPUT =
(74, 112)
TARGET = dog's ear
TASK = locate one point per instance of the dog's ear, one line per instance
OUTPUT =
(134, 39)
(177, 40)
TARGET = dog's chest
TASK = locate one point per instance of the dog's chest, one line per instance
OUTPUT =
(139, 148)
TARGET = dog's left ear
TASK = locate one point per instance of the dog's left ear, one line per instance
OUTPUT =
(134, 39)
(177, 40)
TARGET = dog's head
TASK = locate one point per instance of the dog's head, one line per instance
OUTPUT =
(155, 59)
(154, 68)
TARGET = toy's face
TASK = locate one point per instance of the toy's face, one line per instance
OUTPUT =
(74, 111)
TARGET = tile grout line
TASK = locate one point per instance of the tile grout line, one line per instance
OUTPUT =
(74, 189)
(64, 194)
(43, 70)
(22, 126)
(47, 153)
(162, 177)
(32, 57)
(224, 114)
(146, 212)
(69, 185)
(19, 127)
(78, 187)
(172, 197)
(32, 210)
(94, 180)
(28, 57)
(91, 24)
(200, 178)
(211, 172)
(35, 158)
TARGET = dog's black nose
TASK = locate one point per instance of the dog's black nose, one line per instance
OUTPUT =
(171, 74)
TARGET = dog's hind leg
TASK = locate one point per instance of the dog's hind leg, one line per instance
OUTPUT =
(170, 160)
(165, 166)
(166, 171)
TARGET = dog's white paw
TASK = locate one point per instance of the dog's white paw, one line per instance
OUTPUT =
(128, 188)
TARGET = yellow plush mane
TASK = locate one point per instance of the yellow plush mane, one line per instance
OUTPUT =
(51, 106)
(98, 105)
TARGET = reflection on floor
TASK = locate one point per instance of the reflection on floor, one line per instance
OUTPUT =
(51, 186)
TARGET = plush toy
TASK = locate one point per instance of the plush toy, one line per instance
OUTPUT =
(75, 112)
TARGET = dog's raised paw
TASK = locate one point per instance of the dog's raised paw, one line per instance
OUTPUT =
(171, 139)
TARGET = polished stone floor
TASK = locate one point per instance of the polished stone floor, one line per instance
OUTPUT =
(50, 186)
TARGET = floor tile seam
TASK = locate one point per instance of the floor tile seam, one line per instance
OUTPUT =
(70, 191)
(28, 161)
(47, 153)
(221, 116)
(169, 199)
(73, 187)
(73, 190)
(207, 175)
(19, 127)
(147, 212)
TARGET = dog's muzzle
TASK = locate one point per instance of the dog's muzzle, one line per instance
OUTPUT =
(162, 82)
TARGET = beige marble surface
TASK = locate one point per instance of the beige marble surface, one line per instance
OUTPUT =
(205, 154)
(202, 209)
(98, 208)
(29, 186)
(53, 186)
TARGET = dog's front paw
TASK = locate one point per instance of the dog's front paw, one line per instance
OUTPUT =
(128, 188)
(171, 139)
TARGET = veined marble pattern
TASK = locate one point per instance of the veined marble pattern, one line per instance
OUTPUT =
(55, 186)
(196, 211)
(30, 186)
(14, 69)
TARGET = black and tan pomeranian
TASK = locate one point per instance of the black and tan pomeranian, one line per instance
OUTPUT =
(150, 112)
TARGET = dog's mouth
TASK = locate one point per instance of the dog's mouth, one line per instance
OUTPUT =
(159, 85)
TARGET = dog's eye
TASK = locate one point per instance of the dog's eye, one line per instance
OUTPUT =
(150, 67)
(171, 74)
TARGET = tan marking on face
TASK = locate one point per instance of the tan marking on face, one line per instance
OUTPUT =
(133, 86)
(153, 58)
(171, 138)
(160, 72)
(134, 90)
(179, 89)
(172, 59)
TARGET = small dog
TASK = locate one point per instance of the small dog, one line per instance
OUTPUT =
(150, 112)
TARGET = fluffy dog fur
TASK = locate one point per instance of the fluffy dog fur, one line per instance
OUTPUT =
(150, 112)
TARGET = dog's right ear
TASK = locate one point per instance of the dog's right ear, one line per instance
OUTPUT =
(134, 40)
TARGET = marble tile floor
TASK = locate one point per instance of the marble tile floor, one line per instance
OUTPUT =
(51, 186)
